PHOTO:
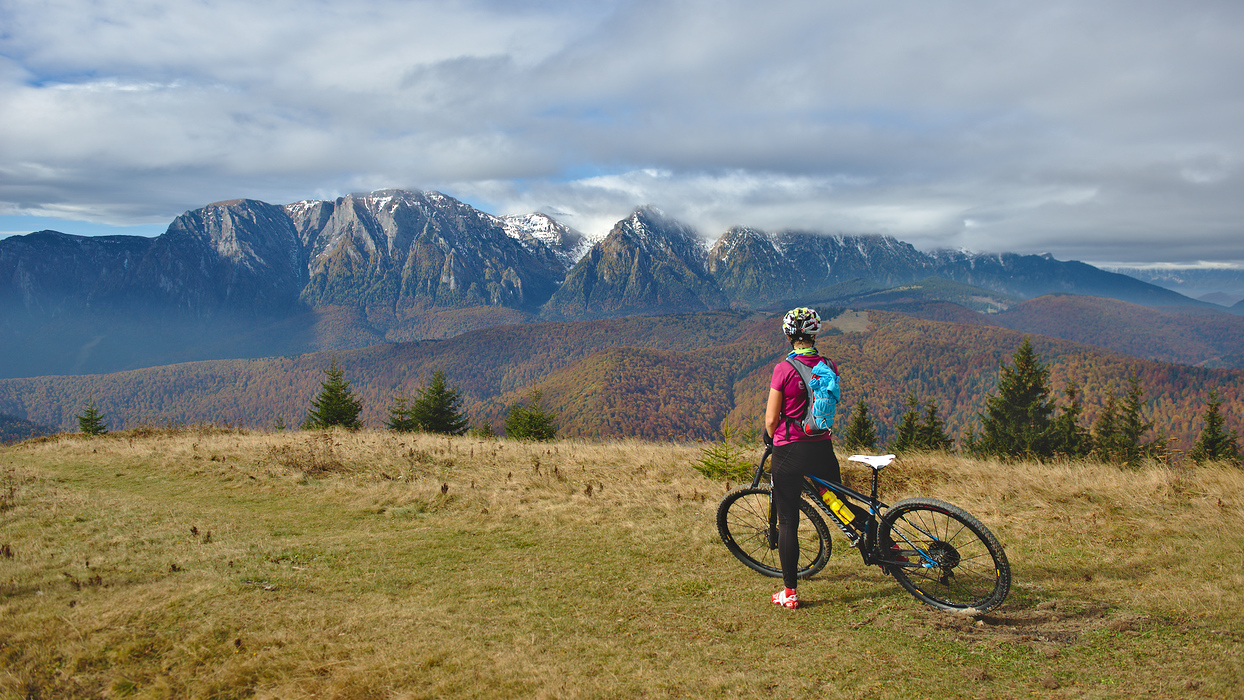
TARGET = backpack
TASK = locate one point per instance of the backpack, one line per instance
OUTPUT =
(821, 383)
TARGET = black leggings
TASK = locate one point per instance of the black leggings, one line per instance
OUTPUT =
(790, 463)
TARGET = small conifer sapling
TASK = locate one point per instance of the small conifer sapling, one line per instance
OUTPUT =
(91, 421)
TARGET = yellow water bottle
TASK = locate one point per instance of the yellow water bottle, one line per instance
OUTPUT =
(839, 508)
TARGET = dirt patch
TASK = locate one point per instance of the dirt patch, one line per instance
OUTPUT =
(1046, 627)
(851, 322)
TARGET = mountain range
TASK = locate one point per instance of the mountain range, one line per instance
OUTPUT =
(244, 278)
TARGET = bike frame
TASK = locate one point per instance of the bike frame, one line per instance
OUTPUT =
(866, 543)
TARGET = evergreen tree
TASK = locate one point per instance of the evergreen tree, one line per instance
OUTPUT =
(1215, 442)
(335, 405)
(1067, 436)
(1106, 430)
(968, 441)
(861, 432)
(722, 459)
(91, 421)
(439, 408)
(1016, 422)
(530, 422)
(399, 416)
(931, 434)
(1131, 427)
(908, 428)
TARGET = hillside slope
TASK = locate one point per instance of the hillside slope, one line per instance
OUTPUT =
(1196, 335)
(660, 377)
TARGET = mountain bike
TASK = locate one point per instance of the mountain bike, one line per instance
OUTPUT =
(937, 552)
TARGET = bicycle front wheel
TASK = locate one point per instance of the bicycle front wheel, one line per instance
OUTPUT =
(944, 557)
(747, 524)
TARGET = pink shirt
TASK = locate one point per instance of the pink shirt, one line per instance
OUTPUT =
(794, 399)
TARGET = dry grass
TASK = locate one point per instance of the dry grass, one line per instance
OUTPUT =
(213, 563)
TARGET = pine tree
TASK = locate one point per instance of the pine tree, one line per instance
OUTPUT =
(335, 405)
(1106, 430)
(861, 432)
(439, 408)
(1216, 442)
(399, 416)
(722, 459)
(931, 434)
(1131, 427)
(91, 421)
(530, 422)
(1067, 437)
(908, 428)
(1016, 422)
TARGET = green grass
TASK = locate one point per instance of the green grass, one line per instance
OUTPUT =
(366, 580)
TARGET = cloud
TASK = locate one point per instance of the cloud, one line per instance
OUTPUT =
(1101, 130)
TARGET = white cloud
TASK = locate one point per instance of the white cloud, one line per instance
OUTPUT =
(1104, 129)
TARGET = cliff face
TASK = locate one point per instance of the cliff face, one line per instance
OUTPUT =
(236, 258)
(392, 247)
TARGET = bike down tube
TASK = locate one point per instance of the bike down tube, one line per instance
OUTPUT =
(867, 548)
(851, 534)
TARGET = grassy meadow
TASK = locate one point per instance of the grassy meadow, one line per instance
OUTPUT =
(222, 563)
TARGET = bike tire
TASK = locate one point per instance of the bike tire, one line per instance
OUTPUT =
(953, 562)
(743, 523)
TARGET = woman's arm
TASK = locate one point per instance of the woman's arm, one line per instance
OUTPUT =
(773, 411)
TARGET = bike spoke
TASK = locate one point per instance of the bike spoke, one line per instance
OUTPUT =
(743, 521)
(949, 562)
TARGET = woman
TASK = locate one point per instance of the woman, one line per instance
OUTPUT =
(795, 453)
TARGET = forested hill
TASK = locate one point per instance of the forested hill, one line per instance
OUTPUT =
(14, 429)
(667, 377)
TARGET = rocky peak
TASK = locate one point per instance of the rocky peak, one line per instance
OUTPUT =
(246, 232)
(539, 229)
(647, 264)
(237, 256)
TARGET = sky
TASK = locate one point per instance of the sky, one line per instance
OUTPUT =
(1110, 132)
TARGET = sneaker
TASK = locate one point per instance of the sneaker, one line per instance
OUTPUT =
(787, 598)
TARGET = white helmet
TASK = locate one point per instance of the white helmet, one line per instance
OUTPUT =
(801, 322)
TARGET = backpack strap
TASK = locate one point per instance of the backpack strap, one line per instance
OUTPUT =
(805, 373)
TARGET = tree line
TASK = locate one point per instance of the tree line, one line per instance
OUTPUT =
(1019, 420)
(1022, 421)
(436, 409)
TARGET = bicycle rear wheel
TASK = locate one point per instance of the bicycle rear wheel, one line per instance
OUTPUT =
(748, 527)
(944, 557)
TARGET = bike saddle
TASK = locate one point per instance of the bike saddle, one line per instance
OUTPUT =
(874, 461)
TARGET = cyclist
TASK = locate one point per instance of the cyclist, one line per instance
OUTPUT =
(795, 453)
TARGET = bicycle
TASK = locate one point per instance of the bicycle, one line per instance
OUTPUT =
(938, 552)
